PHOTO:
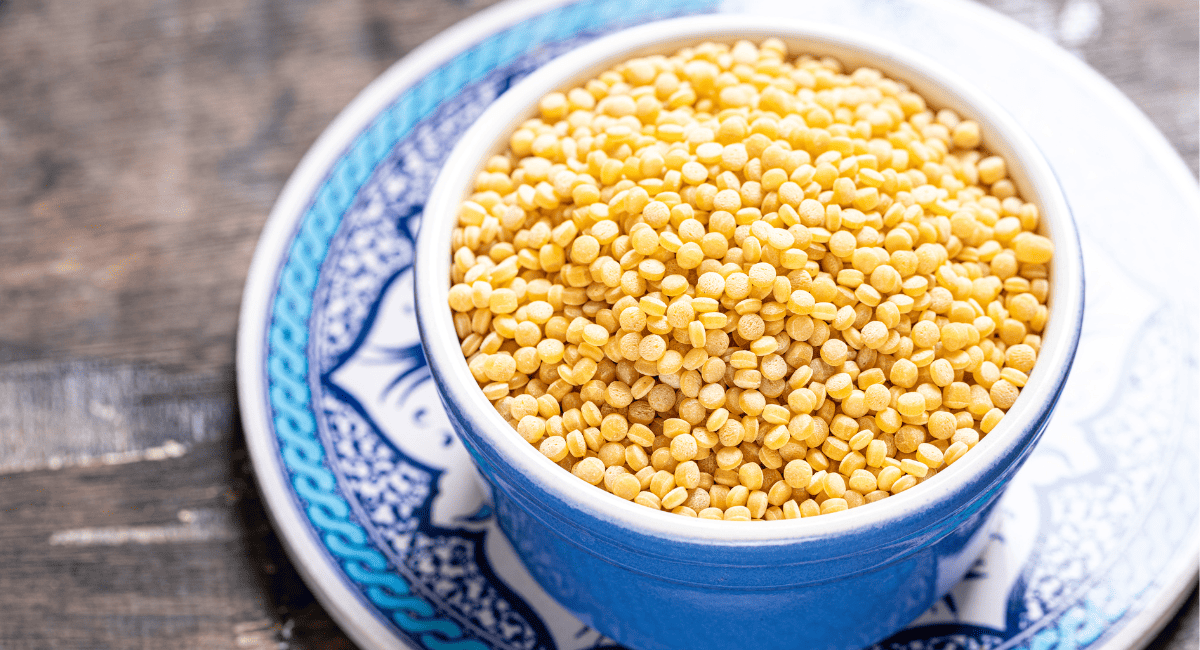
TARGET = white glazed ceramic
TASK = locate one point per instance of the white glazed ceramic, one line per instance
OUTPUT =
(1078, 560)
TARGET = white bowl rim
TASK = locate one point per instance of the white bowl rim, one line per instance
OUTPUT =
(1028, 168)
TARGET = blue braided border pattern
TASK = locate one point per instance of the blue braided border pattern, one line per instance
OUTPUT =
(287, 372)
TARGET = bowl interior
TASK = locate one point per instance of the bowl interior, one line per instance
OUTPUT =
(1001, 135)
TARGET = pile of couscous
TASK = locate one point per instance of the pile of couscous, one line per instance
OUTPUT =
(737, 284)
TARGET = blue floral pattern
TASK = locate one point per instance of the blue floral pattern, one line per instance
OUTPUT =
(367, 500)
(1081, 542)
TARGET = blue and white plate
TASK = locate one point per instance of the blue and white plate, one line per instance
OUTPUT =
(381, 508)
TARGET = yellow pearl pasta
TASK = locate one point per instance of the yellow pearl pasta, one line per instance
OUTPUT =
(739, 284)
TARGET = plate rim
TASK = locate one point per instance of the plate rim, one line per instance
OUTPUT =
(316, 166)
(358, 621)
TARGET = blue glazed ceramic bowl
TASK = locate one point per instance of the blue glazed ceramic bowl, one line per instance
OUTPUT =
(657, 581)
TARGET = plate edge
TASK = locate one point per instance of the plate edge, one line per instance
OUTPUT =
(253, 319)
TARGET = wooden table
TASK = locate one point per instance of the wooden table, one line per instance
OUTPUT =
(142, 144)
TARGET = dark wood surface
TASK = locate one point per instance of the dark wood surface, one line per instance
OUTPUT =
(142, 144)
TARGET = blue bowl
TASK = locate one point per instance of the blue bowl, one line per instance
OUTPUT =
(657, 581)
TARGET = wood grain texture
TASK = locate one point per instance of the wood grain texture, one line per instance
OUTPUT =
(95, 412)
(64, 584)
(142, 144)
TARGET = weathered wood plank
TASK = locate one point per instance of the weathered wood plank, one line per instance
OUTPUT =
(142, 146)
(176, 553)
(55, 414)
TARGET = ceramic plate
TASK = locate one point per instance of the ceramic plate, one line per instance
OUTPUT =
(383, 513)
